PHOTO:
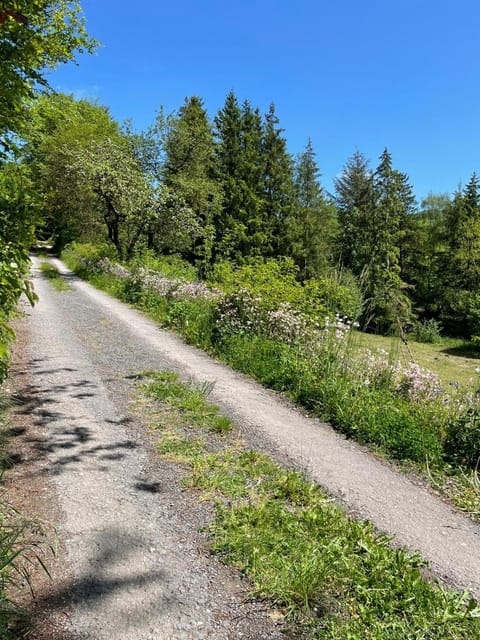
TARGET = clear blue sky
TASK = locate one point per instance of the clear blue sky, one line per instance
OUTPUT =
(349, 74)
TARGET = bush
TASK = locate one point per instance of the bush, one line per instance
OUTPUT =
(427, 331)
(84, 258)
(275, 282)
(462, 442)
(171, 266)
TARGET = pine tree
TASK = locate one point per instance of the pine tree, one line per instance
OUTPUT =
(464, 237)
(373, 215)
(312, 228)
(278, 187)
(251, 171)
(189, 173)
(354, 199)
(229, 226)
(425, 255)
(387, 303)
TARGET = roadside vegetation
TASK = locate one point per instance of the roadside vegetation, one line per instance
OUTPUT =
(379, 398)
(34, 36)
(330, 576)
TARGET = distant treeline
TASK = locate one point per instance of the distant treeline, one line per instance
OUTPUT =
(227, 189)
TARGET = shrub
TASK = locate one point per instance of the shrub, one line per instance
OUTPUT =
(462, 442)
(85, 258)
(274, 281)
(427, 331)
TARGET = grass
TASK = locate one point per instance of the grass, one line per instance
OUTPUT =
(331, 576)
(54, 277)
(451, 359)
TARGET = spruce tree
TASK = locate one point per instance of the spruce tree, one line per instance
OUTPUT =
(460, 302)
(279, 188)
(312, 228)
(229, 226)
(189, 173)
(385, 291)
(374, 211)
(467, 255)
(354, 199)
(251, 172)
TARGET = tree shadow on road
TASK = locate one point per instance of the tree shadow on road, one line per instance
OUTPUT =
(114, 587)
(62, 439)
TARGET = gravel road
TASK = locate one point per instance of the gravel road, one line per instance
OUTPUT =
(138, 568)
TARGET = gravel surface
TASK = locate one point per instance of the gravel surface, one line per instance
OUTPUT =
(137, 566)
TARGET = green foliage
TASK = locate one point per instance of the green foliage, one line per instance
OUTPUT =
(188, 400)
(427, 331)
(312, 227)
(194, 319)
(278, 187)
(460, 312)
(61, 128)
(83, 258)
(462, 442)
(189, 173)
(170, 266)
(331, 576)
(54, 277)
(16, 233)
(276, 283)
(373, 213)
(123, 194)
(401, 411)
(425, 254)
(369, 415)
(52, 33)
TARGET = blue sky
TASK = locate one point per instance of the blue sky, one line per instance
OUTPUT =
(349, 74)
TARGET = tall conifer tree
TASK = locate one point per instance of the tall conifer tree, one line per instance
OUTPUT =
(354, 199)
(278, 187)
(189, 171)
(312, 228)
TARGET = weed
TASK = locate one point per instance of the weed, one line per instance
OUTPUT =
(189, 401)
(332, 576)
(54, 277)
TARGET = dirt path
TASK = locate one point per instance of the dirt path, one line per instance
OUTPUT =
(137, 567)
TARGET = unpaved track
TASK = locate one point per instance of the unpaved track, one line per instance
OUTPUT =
(135, 578)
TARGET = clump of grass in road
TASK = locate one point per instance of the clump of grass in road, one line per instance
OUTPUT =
(189, 401)
(54, 277)
(333, 577)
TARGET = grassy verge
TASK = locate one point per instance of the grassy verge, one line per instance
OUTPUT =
(454, 361)
(331, 576)
(54, 277)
